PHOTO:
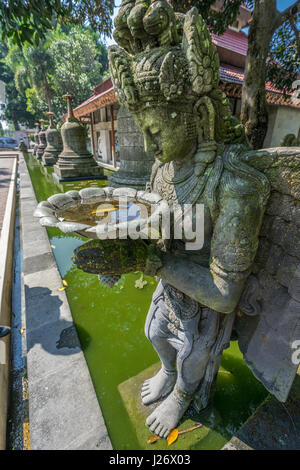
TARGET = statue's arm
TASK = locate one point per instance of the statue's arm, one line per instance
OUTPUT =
(233, 249)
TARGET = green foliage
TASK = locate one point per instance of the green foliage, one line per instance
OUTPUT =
(29, 20)
(76, 66)
(34, 103)
(68, 59)
(15, 110)
(217, 21)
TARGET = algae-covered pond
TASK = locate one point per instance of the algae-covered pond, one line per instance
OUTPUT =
(110, 324)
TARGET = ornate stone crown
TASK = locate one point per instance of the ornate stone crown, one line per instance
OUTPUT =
(169, 59)
(161, 61)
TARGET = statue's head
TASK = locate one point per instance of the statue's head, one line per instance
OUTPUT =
(172, 90)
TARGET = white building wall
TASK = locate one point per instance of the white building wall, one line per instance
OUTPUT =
(282, 121)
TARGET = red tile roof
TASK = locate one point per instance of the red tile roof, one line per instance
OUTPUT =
(100, 90)
(104, 92)
(235, 41)
(229, 73)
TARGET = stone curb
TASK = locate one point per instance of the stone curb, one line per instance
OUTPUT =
(64, 412)
(6, 265)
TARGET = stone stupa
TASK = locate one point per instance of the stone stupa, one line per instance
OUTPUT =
(54, 143)
(42, 140)
(75, 162)
(135, 164)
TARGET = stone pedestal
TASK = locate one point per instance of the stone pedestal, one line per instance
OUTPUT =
(75, 162)
(54, 143)
(135, 164)
(42, 141)
(137, 412)
(275, 425)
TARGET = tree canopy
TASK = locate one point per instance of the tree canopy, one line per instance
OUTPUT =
(29, 20)
(273, 52)
(67, 60)
(217, 20)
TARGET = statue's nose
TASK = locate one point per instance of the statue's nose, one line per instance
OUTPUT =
(150, 146)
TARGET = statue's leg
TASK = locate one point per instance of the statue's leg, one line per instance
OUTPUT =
(192, 361)
(190, 372)
(158, 334)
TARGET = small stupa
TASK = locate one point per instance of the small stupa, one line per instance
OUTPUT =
(54, 143)
(36, 138)
(42, 140)
(75, 162)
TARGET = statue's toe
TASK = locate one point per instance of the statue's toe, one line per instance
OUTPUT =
(150, 420)
(153, 426)
(159, 429)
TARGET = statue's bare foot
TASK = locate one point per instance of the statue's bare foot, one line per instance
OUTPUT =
(159, 386)
(168, 414)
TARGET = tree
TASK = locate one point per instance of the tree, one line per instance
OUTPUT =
(266, 22)
(15, 110)
(30, 66)
(71, 61)
(217, 21)
(76, 66)
(29, 20)
(273, 53)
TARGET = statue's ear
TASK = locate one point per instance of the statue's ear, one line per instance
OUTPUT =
(205, 116)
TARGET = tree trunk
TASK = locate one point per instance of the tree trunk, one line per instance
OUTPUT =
(47, 92)
(254, 113)
(15, 121)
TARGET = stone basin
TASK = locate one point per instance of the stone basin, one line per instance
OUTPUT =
(95, 212)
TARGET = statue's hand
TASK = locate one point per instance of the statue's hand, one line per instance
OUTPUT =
(117, 257)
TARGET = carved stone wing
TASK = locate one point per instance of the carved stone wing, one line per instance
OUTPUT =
(267, 340)
(201, 53)
(120, 68)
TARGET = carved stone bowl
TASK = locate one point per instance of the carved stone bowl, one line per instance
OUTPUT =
(77, 211)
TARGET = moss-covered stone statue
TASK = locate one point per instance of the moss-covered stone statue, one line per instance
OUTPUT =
(168, 78)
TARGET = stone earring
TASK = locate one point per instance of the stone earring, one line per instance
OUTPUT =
(207, 146)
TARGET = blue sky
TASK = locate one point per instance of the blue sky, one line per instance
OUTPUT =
(281, 5)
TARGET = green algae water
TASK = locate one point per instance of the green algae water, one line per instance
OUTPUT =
(110, 325)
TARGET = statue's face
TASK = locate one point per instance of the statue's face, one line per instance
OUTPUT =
(168, 134)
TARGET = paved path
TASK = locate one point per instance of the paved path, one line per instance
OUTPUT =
(6, 168)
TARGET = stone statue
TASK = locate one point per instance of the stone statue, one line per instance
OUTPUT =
(54, 143)
(36, 138)
(42, 141)
(22, 146)
(169, 82)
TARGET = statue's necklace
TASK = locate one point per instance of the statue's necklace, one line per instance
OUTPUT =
(184, 188)
(168, 174)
